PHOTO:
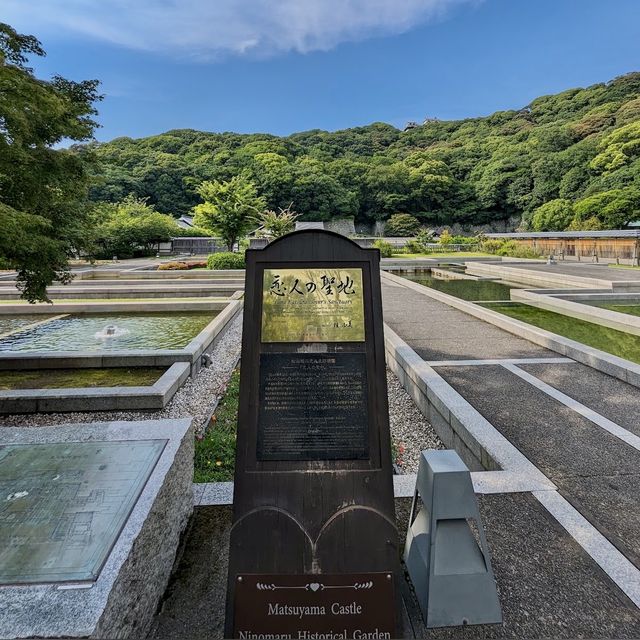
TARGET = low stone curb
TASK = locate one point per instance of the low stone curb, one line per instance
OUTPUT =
(88, 307)
(99, 291)
(539, 278)
(155, 396)
(597, 315)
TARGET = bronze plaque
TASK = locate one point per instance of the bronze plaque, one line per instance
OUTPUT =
(313, 406)
(305, 607)
(312, 305)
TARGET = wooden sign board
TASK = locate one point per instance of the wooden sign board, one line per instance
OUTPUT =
(293, 606)
(313, 493)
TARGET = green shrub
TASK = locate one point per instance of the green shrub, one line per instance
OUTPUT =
(414, 246)
(401, 225)
(510, 248)
(225, 260)
(467, 240)
(385, 248)
(492, 245)
(425, 236)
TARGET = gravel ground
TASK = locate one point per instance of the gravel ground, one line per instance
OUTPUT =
(408, 426)
(198, 397)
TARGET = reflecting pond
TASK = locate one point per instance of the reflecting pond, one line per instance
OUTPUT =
(108, 332)
(472, 290)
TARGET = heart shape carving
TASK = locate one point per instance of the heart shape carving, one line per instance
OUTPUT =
(314, 586)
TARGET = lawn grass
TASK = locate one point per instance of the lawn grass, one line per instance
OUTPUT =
(630, 309)
(452, 254)
(621, 344)
(80, 378)
(624, 266)
(215, 452)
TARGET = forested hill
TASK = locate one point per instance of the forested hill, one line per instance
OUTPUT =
(563, 148)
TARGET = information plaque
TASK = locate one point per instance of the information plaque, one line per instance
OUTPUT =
(313, 548)
(315, 606)
(312, 305)
(313, 406)
(62, 506)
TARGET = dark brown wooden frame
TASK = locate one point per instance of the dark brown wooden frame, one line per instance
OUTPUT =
(304, 517)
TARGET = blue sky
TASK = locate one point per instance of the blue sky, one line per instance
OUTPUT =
(281, 66)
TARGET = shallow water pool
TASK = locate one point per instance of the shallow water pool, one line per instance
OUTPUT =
(11, 323)
(472, 290)
(131, 331)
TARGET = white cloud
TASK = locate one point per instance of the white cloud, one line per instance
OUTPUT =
(208, 29)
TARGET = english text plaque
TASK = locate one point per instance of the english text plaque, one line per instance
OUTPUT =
(312, 305)
(313, 606)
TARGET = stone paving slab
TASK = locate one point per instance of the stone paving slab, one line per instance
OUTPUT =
(439, 332)
(612, 398)
(601, 272)
(556, 439)
(611, 504)
(548, 586)
(596, 472)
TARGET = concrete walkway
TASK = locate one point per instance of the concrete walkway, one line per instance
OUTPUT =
(567, 561)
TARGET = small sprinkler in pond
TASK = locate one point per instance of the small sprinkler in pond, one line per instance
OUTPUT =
(111, 331)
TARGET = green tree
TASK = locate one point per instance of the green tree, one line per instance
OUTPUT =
(229, 208)
(130, 228)
(42, 189)
(614, 209)
(401, 225)
(276, 224)
(554, 215)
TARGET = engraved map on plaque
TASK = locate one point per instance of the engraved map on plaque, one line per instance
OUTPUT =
(63, 505)
(313, 406)
(312, 305)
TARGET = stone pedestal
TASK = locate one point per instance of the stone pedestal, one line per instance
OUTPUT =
(90, 521)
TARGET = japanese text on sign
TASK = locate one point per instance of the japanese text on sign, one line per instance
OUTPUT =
(312, 305)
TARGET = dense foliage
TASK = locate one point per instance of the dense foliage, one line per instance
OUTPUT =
(41, 188)
(402, 225)
(568, 146)
(128, 229)
(225, 260)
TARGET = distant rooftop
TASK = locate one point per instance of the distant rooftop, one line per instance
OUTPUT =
(185, 221)
(309, 225)
(615, 233)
